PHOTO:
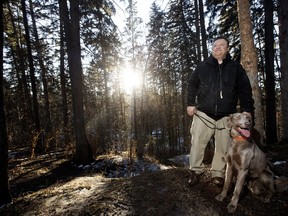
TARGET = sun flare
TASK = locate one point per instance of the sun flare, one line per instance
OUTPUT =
(129, 80)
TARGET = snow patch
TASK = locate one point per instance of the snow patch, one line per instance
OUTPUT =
(120, 167)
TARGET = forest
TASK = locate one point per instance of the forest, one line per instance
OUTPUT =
(73, 83)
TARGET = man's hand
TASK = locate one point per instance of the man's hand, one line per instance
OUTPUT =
(191, 110)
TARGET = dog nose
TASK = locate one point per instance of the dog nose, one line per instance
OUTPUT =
(247, 124)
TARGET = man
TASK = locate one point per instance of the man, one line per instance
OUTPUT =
(214, 90)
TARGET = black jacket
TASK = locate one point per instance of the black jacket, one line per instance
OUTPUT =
(216, 89)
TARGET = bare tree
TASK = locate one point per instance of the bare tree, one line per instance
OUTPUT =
(249, 61)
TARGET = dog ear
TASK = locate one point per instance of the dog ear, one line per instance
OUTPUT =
(228, 123)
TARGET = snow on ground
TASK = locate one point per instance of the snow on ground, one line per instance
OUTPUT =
(120, 167)
(181, 160)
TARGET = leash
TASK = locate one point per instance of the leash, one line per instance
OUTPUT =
(205, 120)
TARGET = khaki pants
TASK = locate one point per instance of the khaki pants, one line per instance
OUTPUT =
(202, 129)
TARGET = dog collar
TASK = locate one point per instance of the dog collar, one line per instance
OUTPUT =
(240, 138)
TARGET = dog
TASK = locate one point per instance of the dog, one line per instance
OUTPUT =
(245, 157)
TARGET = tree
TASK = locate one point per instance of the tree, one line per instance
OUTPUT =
(23, 127)
(63, 84)
(5, 196)
(283, 38)
(135, 56)
(40, 55)
(249, 61)
(225, 14)
(39, 145)
(173, 47)
(104, 44)
(271, 128)
(72, 36)
(203, 30)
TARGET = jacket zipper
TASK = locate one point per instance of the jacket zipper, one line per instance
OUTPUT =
(220, 81)
(220, 88)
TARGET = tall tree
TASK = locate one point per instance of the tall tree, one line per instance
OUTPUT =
(40, 57)
(64, 99)
(158, 51)
(203, 30)
(271, 128)
(134, 52)
(5, 196)
(172, 43)
(39, 145)
(24, 103)
(283, 38)
(249, 61)
(72, 36)
(197, 27)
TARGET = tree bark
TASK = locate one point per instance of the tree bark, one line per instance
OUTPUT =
(63, 85)
(48, 124)
(38, 146)
(197, 29)
(203, 30)
(271, 128)
(24, 99)
(72, 35)
(283, 38)
(5, 196)
(249, 61)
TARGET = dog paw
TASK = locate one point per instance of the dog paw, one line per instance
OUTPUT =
(220, 197)
(231, 208)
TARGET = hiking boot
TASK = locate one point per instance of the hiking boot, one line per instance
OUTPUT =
(194, 178)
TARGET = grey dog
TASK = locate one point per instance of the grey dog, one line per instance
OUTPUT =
(248, 160)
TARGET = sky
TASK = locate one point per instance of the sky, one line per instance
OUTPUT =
(143, 8)
(145, 5)
(129, 78)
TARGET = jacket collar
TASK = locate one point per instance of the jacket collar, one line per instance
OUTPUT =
(212, 60)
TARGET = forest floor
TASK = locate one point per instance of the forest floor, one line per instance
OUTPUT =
(52, 185)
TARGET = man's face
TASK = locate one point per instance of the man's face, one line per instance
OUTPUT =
(220, 49)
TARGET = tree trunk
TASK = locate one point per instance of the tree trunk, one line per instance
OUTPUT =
(203, 30)
(63, 85)
(283, 38)
(48, 137)
(249, 61)
(72, 35)
(48, 125)
(38, 145)
(134, 117)
(24, 99)
(197, 29)
(5, 196)
(271, 128)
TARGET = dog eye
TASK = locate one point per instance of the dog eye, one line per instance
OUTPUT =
(248, 118)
